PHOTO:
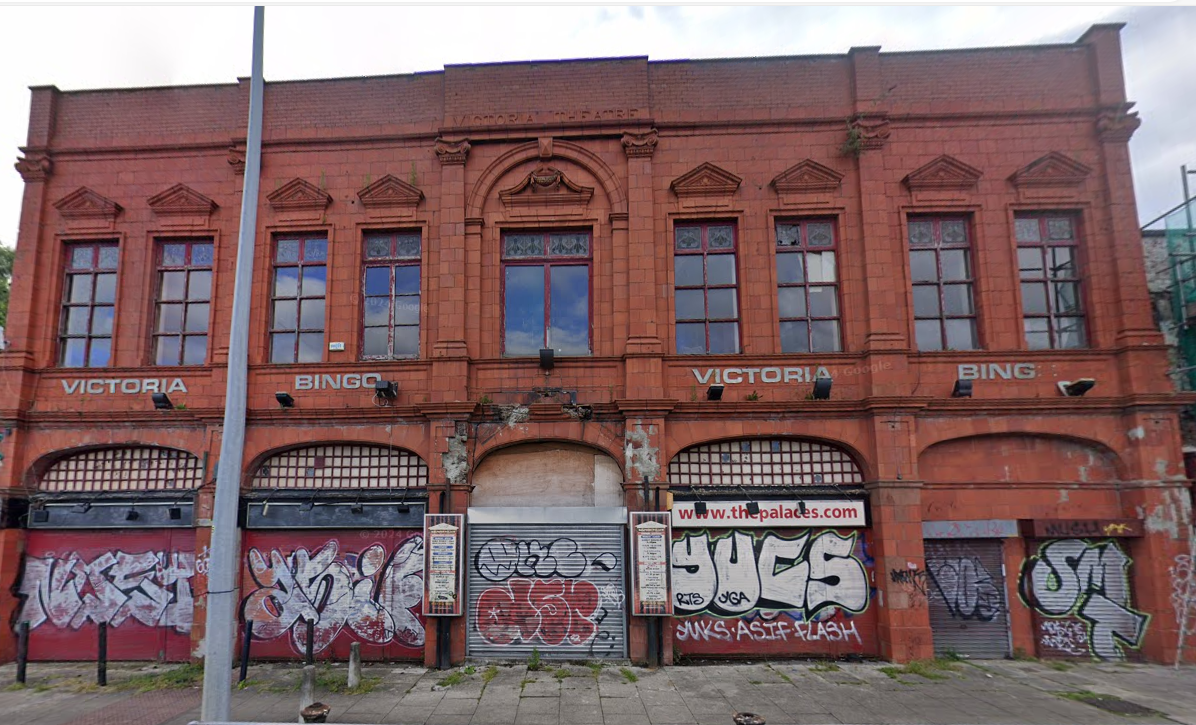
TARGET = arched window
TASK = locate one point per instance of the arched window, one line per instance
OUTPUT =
(128, 468)
(342, 466)
(764, 462)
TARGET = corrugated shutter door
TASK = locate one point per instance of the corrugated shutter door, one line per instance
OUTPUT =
(966, 591)
(559, 589)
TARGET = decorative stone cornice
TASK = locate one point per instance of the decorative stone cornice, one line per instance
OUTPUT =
(870, 131)
(640, 144)
(706, 186)
(452, 153)
(390, 196)
(945, 172)
(1117, 124)
(547, 186)
(34, 165)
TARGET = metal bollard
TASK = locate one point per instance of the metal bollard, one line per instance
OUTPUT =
(102, 664)
(22, 650)
(245, 651)
(310, 654)
(354, 679)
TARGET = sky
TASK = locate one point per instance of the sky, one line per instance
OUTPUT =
(85, 47)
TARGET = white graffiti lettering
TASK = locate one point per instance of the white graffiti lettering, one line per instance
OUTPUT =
(1066, 636)
(735, 574)
(781, 630)
(1073, 577)
(501, 558)
(370, 592)
(965, 586)
(152, 587)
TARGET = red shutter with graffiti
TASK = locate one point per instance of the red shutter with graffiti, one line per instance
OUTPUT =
(358, 586)
(141, 583)
(785, 592)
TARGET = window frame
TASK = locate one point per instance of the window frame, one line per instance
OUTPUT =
(547, 261)
(160, 268)
(704, 226)
(1044, 245)
(391, 262)
(804, 249)
(65, 304)
(302, 238)
(940, 282)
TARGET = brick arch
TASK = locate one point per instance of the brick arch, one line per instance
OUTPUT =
(261, 443)
(681, 435)
(566, 150)
(782, 459)
(576, 433)
(547, 472)
(145, 467)
(413, 469)
(1019, 458)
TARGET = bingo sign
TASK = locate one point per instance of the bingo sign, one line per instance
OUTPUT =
(442, 566)
(651, 537)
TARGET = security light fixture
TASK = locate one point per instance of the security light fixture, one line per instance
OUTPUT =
(161, 401)
(404, 509)
(962, 389)
(284, 399)
(40, 516)
(753, 508)
(307, 506)
(356, 508)
(175, 513)
(1076, 388)
(547, 358)
(387, 389)
(81, 508)
(822, 389)
(700, 508)
(801, 507)
(132, 515)
(714, 392)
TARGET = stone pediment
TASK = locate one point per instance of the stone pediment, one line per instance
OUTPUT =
(707, 186)
(299, 199)
(180, 204)
(945, 172)
(807, 182)
(85, 208)
(390, 196)
(545, 188)
(1054, 169)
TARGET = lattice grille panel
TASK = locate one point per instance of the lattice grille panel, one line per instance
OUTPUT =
(342, 466)
(763, 463)
(124, 469)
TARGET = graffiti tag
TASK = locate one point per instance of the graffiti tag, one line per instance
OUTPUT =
(501, 558)
(966, 587)
(1067, 636)
(151, 587)
(1088, 580)
(780, 630)
(371, 592)
(554, 612)
(735, 574)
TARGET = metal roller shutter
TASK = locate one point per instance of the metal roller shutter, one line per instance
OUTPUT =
(966, 591)
(557, 588)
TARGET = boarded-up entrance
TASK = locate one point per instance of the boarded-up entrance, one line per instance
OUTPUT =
(358, 585)
(138, 582)
(558, 588)
(966, 594)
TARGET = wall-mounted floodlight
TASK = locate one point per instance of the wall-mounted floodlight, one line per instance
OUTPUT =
(547, 358)
(161, 401)
(801, 507)
(307, 506)
(81, 508)
(284, 399)
(387, 389)
(356, 508)
(753, 508)
(962, 389)
(403, 509)
(40, 516)
(822, 389)
(700, 508)
(1076, 388)
(132, 515)
(714, 392)
(175, 513)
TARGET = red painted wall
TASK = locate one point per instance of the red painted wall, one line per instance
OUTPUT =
(139, 582)
(358, 585)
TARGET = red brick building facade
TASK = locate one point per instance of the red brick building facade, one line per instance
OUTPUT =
(845, 305)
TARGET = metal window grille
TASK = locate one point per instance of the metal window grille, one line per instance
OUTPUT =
(88, 305)
(763, 462)
(342, 466)
(940, 259)
(1048, 264)
(124, 469)
(183, 302)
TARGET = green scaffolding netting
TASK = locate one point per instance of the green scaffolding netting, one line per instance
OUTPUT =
(1181, 248)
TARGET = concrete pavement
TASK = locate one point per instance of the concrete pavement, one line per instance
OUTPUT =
(784, 693)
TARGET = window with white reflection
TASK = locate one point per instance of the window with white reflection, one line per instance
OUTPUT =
(297, 299)
(705, 288)
(807, 286)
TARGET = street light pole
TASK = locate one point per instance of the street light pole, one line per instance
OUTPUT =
(223, 564)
